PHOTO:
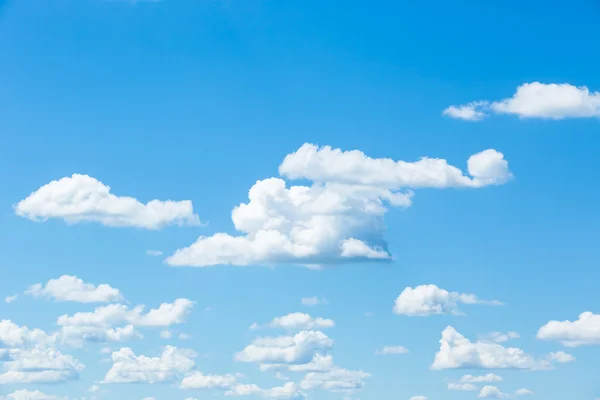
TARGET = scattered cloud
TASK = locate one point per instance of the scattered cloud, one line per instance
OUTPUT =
(499, 337)
(428, 300)
(456, 351)
(522, 392)
(467, 382)
(561, 357)
(339, 218)
(491, 392)
(288, 391)
(584, 331)
(535, 100)
(387, 350)
(198, 380)
(297, 349)
(335, 380)
(39, 364)
(171, 365)
(11, 299)
(297, 321)
(154, 253)
(30, 395)
(81, 198)
(72, 288)
(313, 301)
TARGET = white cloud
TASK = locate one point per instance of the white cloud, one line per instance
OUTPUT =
(339, 218)
(392, 350)
(313, 301)
(98, 326)
(81, 198)
(522, 392)
(29, 395)
(491, 392)
(72, 288)
(456, 351)
(499, 337)
(584, 331)
(319, 363)
(335, 380)
(94, 389)
(469, 112)
(535, 100)
(39, 364)
(461, 386)
(166, 334)
(428, 300)
(418, 398)
(172, 364)
(297, 349)
(198, 380)
(13, 335)
(298, 321)
(288, 391)
(154, 253)
(11, 299)
(561, 357)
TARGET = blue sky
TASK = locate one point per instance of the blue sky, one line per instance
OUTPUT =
(324, 109)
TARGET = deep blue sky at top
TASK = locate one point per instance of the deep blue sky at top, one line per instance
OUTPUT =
(198, 99)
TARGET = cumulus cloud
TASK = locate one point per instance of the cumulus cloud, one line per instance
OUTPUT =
(499, 337)
(30, 395)
(13, 335)
(99, 325)
(81, 198)
(535, 100)
(561, 357)
(335, 380)
(39, 364)
(387, 350)
(72, 288)
(522, 392)
(428, 300)
(297, 349)
(491, 392)
(340, 216)
(172, 364)
(297, 321)
(461, 386)
(467, 382)
(198, 380)
(456, 351)
(584, 331)
(319, 363)
(288, 391)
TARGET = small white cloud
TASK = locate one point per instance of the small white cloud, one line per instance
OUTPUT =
(499, 337)
(456, 351)
(536, 100)
(428, 300)
(297, 321)
(335, 380)
(480, 378)
(297, 349)
(30, 395)
(584, 331)
(154, 253)
(11, 299)
(313, 301)
(561, 357)
(172, 364)
(491, 392)
(81, 198)
(387, 350)
(418, 398)
(72, 288)
(198, 380)
(522, 392)
(288, 391)
(166, 334)
(461, 386)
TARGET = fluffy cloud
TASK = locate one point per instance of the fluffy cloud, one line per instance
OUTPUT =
(13, 335)
(297, 349)
(522, 392)
(319, 363)
(198, 380)
(535, 100)
(71, 288)
(491, 392)
(288, 391)
(339, 218)
(335, 380)
(298, 321)
(561, 357)
(39, 364)
(466, 382)
(499, 337)
(28, 395)
(456, 351)
(584, 331)
(172, 364)
(81, 198)
(428, 300)
(387, 350)
(98, 326)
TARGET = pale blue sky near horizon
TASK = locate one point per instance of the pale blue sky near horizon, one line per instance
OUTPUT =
(197, 100)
